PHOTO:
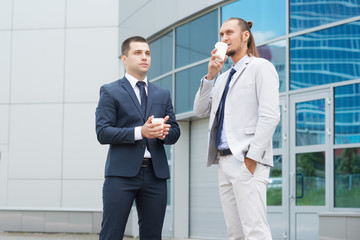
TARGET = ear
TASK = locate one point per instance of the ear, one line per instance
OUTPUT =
(124, 59)
(246, 35)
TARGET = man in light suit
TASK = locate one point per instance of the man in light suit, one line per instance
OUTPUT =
(243, 105)
(136, 166)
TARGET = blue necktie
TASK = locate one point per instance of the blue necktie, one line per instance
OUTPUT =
(220, 112)
(143, 98)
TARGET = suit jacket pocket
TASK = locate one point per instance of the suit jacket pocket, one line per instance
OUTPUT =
(250, 130)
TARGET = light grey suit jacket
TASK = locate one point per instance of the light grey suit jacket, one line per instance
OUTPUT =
(251, 111)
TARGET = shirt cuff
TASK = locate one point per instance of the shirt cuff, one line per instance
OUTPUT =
(137, 132)
(204, 79)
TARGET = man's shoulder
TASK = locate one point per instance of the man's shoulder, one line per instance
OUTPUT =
(158, 88)
(112, 85)
(260, 61)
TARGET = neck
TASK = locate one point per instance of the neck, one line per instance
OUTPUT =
(239, 55)
(138, 76)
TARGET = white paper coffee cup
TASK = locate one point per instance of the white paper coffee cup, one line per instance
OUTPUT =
(221, 51)
(158, 120)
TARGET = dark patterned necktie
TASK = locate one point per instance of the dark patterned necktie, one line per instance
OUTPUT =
(220, 111)
(143, 97)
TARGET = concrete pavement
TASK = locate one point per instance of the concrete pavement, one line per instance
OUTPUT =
(55, 236)
(50, 236)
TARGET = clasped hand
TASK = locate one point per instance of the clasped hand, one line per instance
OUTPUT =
(155, 130)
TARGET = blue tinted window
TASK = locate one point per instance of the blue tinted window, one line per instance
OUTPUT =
(347, 114)
(267, 24)
(274, 188)
(327, 56)
(161, 56)
(187, 83)
(311, 13)
(310, 123)
(165, 82)
(195, 40)
(347, 177)
(277, 137)
(276, 54)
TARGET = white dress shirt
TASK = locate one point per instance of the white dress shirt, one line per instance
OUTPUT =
(137, 130)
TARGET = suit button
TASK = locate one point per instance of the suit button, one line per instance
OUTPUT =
(143, 146)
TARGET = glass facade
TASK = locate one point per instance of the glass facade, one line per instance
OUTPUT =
(306, 14)
(277, 138)
(166, 82)
(266, 24)
(347, 177)
(310, 123)
(347, 114)
(276, 54)
(187, 83)
(326, 56)
(162, 55)
(310, 179)
(196, 40)
(274, 190)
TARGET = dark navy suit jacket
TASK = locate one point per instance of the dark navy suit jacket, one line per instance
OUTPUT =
(118, 113)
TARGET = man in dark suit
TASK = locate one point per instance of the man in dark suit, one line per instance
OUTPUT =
(136, 166)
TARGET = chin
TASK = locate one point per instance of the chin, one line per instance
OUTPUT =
(230, 53)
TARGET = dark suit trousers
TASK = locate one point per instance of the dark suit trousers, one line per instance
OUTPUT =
(119, 193)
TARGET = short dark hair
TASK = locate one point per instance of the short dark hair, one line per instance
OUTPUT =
(125, 47)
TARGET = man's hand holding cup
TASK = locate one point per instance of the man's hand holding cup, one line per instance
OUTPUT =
(165, 127)
(218, 58)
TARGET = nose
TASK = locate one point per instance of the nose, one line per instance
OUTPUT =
(224, 38)
(144, 56)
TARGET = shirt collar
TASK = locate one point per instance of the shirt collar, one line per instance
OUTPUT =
(133, 80)
(240, 63)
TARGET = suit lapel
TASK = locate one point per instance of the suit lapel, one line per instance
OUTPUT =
(223, 82)
(240, 71)
(219, 94)
(127, 86)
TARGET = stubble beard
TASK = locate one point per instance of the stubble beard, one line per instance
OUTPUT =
(231, 53)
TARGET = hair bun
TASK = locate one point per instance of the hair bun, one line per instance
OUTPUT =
(250, 23)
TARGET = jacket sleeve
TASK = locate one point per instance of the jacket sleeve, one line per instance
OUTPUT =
(174, 132)
(203, 99)
(106, 130)
(267, 92)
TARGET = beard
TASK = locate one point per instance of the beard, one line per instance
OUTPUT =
(231, 53)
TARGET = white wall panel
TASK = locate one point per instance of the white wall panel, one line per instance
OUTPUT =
(183, 11)
(129, 8)
(206, 216)
(84, 157)
(82, 194)
(150, 18)
(5, 57)
(35, 141)
(33, 221)
(92, 13)
(3, 176)
(5, 14)
(91, 60)
(307, 226)
(37, 66)
(39, 14)
(4, 124)
(34, 193)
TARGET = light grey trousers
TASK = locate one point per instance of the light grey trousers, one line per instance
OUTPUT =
(243, 199)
